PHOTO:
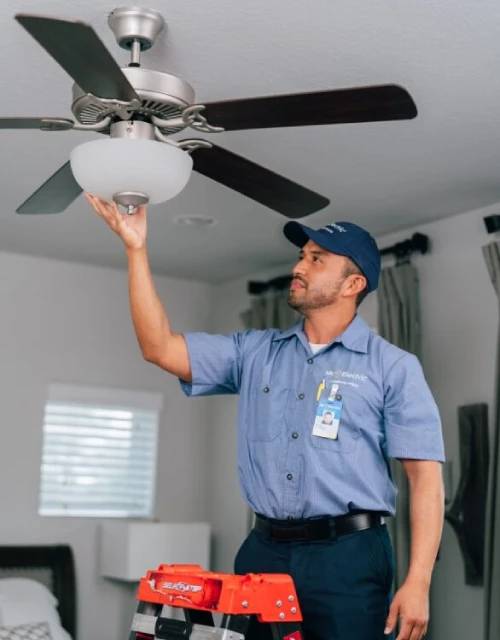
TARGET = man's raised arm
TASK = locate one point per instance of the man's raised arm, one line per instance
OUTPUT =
(158, 343)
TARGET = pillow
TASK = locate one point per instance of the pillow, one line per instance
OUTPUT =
(16, 612)
(36, 631)
(24, 601)
(26, 589)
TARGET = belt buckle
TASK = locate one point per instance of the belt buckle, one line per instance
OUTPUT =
(298, 532)
(333, 529)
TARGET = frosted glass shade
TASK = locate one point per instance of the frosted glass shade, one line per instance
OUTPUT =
(113, 165)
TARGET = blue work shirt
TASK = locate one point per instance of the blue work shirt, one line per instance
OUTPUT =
(285, 470)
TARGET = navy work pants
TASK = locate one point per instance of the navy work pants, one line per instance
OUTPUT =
(343, 585)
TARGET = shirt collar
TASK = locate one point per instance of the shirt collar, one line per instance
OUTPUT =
(354, 338)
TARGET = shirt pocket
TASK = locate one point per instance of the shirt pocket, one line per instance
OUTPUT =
(267, 407)
(346, 441)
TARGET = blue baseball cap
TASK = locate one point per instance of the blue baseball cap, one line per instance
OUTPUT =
(344, 238)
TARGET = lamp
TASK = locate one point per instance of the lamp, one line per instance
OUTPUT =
(128, 549)
(130, 167)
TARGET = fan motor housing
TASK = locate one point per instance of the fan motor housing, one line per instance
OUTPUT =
(162, 94)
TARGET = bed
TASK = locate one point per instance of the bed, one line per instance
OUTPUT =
(51, 566)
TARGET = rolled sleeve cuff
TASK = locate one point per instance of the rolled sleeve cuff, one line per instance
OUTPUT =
(426, 444)
(212, 363)
(415, 454)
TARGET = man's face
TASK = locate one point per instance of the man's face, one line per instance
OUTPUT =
(327, 418)
(317, 278)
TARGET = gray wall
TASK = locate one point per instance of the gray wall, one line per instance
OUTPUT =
(63, 322)
(460, 322)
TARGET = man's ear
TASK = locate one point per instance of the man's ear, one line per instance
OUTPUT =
(355, 284)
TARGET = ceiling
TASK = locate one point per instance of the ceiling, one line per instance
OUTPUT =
(386, 176)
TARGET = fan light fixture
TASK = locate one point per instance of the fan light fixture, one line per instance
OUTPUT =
(131, 171)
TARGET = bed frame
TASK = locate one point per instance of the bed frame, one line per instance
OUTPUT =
(53, 566)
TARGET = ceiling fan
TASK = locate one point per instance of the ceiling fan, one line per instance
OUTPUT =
(134, 103)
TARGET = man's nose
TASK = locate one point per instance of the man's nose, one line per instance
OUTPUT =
(299, 269)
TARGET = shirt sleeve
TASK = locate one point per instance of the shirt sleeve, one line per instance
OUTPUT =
(411, 416)
(215, 363)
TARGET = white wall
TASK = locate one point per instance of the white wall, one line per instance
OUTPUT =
(459, 322)
(64, 322)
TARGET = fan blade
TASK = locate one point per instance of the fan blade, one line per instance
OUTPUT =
(80, 52)
(45, 124)
(55, 194)
(363, 104)
(256, 182)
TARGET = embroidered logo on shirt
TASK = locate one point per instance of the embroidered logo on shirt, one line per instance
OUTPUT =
(340, 373)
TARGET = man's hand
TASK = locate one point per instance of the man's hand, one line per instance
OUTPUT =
(411, 605)
(132, 229)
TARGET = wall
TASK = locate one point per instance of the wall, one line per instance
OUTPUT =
(459, 322)
(66, 322)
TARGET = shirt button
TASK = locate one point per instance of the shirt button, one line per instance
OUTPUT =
(301, 396)
(309, 361)
(265, 389)
(295, 435)
(338, 396)
(289, 476)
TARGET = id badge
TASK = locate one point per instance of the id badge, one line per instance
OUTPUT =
(328, 411)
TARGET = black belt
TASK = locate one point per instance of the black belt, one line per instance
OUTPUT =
(323, 528)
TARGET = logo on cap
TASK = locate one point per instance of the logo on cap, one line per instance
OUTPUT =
(330, 228)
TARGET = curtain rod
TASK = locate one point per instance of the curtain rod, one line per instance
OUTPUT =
(418, 242)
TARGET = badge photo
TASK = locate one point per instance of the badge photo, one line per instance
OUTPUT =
(327, 420)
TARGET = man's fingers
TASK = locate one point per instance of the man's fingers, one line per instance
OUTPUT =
(418, 631)
(104, 210)
(405, 631)
(95, 203)
(390, 623)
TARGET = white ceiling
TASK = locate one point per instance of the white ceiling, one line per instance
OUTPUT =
(383, 175)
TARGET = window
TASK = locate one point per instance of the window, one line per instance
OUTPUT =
(99, 452)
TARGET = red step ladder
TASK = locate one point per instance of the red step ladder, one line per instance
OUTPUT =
(269, 597)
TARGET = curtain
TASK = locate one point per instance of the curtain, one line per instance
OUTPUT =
(492, 551)
(399, 322)
(269, 310)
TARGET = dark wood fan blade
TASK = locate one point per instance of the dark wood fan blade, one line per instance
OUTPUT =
(256, 182)
(363, 104)
(80, 52)
(55, 194)
(45, 124)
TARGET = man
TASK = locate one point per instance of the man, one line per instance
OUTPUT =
(320, 494)
(327, 417)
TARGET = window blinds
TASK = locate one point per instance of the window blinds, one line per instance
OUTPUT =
(98, 460)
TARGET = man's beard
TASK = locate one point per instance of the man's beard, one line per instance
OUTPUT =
(313, 299)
